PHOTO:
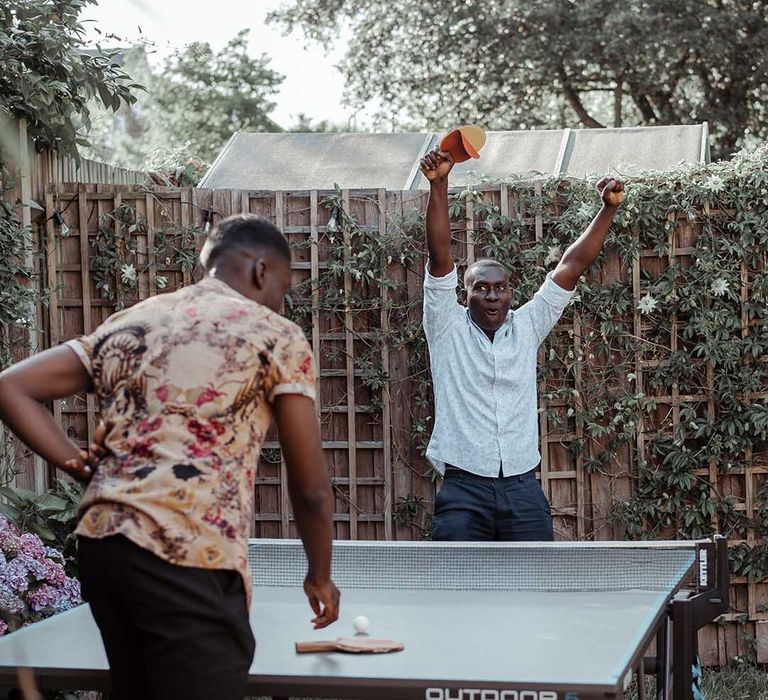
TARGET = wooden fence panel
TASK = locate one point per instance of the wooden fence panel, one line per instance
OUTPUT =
(373, 393)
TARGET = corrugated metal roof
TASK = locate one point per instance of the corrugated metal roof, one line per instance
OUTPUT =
(294, 161)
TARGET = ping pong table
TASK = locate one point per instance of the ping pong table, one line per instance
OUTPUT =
(480, 621)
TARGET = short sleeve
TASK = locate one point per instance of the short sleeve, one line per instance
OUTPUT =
(441, 307)
(84, 346)
(294, 370)
(546, 307)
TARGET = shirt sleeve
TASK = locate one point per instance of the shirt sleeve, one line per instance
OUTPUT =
(294, 370)
(546, 307)
(84, 346)
(441, 307)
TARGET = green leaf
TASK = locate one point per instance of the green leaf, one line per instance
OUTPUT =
(48, 501)
(17, 496)
(10, 512)
(42, 531)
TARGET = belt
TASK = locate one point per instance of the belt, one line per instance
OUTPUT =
(450, 471)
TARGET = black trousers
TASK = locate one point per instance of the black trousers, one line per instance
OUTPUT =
(170, 632)
(486, 509)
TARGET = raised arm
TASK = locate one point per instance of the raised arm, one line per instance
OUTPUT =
(436, 165)
(312, 499)
(585, 249)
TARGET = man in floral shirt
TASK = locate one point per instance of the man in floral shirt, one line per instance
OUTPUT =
(188, 384)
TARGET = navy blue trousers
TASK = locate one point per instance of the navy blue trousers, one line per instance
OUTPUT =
(486, 509)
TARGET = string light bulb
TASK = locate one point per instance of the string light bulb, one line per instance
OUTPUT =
(333, 222)
(58, 219)
(207, 219)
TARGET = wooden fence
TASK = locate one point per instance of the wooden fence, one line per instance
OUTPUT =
(384, 488)
(32, 172)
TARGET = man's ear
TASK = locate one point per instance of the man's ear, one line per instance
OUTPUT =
(463, 296)
(259, 272)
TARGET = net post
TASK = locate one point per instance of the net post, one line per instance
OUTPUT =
(682, 650)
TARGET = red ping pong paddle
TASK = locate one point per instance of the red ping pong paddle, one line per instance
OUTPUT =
(351, 645)
(463, 143)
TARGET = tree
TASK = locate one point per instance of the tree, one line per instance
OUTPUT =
(46, 77)
(553, 63)
(203, 97)
(193, 104)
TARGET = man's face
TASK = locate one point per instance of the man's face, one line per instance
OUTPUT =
(488, 296)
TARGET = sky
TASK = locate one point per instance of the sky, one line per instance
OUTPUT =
(313, 85)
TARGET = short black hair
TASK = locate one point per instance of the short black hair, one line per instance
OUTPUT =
(244, 231)
(469, 273)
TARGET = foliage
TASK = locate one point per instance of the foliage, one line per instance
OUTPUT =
(20, 293)
(552, 63)
(51, 516)
(654, 378)
(737, 681)
(661, 383)
(47, 76)
(17, 295)
(33, 583)
(114, 261)
(175, 167)
(194, 103)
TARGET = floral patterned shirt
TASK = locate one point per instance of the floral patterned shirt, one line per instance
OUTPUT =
(187, 381)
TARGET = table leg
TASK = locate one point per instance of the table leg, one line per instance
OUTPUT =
(640, 675)
(662, 661)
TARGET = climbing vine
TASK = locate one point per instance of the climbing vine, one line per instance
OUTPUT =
(114, 262)
(656, 375)
(693, 324)
(20, 294)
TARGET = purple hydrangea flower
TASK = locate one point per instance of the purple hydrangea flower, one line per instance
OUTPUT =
(33, 581)
(10, 603)
(31, 545)
(9, 543)
(54, 573)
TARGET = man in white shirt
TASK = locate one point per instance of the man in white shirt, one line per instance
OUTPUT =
(483, 357)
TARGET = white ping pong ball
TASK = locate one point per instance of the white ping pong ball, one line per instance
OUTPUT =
(361, 624)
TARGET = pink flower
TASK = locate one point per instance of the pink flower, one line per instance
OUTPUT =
(143, 449)
(148, 426)
(208, 395)
(31, 545)
(235, 315)
(54, 574)
(162, 393)
(306, 365)
(196, 451)
(206, 433)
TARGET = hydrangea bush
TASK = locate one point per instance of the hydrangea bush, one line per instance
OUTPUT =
(33, 583)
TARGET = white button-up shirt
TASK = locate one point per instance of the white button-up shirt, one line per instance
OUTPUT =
(485, 392)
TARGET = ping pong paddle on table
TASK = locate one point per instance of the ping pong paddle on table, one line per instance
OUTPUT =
(351, 645)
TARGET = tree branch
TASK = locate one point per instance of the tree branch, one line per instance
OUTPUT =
(643, 104)
(573, 99)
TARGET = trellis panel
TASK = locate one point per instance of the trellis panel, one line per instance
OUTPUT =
(373, 437)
